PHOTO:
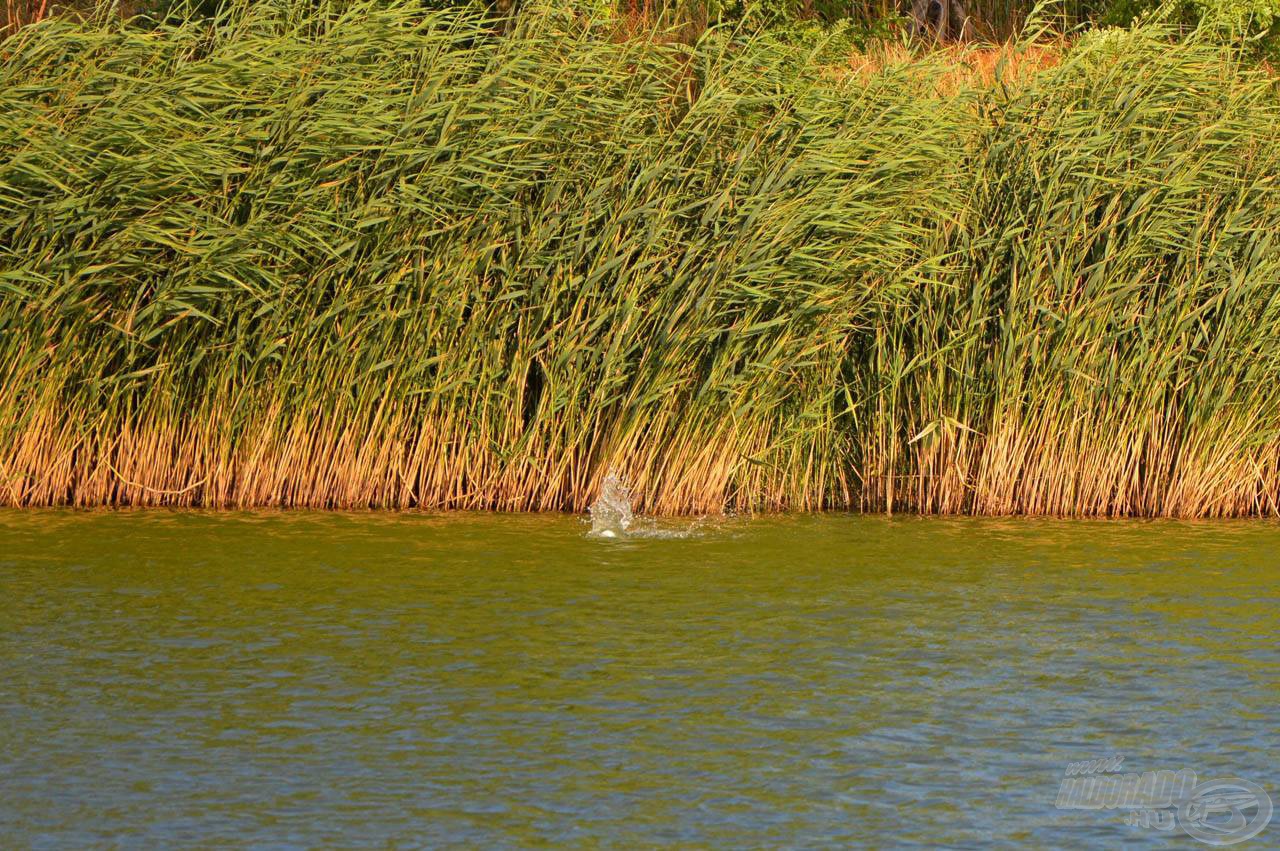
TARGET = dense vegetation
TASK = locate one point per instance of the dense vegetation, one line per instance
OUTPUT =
(390, 258)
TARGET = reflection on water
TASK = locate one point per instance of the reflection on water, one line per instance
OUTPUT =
(365, 680)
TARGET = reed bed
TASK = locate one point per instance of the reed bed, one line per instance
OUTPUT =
(372, 256)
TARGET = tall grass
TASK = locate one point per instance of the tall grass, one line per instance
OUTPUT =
(300, 256)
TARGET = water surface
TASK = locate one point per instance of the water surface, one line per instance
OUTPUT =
(498, 681)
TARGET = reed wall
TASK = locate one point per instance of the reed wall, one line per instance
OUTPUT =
(388, 258)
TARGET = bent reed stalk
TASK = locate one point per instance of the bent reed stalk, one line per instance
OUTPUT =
(381, 257)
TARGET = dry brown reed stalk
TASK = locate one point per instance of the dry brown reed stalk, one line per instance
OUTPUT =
(647, 20)
(949, 70)
(21, 13)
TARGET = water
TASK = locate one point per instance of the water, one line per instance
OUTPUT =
(302, 680)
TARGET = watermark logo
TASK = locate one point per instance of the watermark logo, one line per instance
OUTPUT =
(1223, 811)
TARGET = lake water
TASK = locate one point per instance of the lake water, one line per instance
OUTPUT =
(501, 681)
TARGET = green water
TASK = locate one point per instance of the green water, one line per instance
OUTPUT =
(360, 680)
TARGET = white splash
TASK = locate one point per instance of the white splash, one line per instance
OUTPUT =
(611, 515)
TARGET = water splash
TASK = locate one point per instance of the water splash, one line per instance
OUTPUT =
(611, 515)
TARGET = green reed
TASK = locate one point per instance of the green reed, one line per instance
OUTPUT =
(374, 256)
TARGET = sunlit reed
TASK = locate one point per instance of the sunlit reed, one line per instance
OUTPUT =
(380, 257)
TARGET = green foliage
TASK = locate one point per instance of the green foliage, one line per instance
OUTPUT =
(1241, 16)
(1245, 22)
(782, 14)
(378, 257)
(1253, 22)
(832, 43)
